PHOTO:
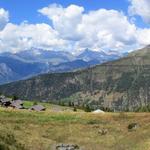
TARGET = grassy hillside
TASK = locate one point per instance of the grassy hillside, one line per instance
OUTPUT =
(120, 85)
(25, 130)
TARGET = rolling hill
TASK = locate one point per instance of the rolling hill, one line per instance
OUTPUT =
(119, 85)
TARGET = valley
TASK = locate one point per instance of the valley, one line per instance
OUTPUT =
(120, 85)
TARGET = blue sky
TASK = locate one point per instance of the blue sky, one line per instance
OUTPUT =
(21, 10)
(74, 25)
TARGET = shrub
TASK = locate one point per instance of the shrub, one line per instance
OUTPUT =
(8, 140)
(143, 109)
(61, 103)
(92, 122)
(35, 103)
(87, 108)
(74, 109)
(3, 146)
(70, 104)
(14, 97)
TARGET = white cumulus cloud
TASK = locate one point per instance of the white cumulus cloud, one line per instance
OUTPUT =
(143, 36)
(106, 29)
(109, 29)
(65, 20)
(73, 29)
(141, 8)
(25, 36)
(4, 18)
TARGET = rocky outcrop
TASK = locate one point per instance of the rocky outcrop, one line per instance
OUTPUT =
(67, 147)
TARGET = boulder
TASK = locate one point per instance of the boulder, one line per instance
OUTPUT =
(133, 126)
(98, 111)
(67, 147)
(103, 131)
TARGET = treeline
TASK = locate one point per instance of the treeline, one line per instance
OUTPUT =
(143, 109)
(90, 108)
(85, 107)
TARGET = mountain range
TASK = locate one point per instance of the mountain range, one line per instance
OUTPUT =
(25, 64)
(122, 84)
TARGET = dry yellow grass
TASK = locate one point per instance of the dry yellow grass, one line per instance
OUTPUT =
(43, 130)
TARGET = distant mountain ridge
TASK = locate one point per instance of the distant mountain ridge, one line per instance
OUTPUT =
(88, 55)
(39, 55)
(32, 62)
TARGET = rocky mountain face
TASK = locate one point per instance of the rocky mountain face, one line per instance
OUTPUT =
(123, 84)
(39, 55)
(12, 69)
(6, 73)
(101, 56)
(32, 62)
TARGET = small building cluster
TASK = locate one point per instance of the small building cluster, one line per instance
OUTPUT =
(38, 108)
(18, 104)
(8, 102)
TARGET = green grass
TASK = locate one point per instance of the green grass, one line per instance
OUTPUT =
(29, 104)
(29, 130)
(49, 106)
